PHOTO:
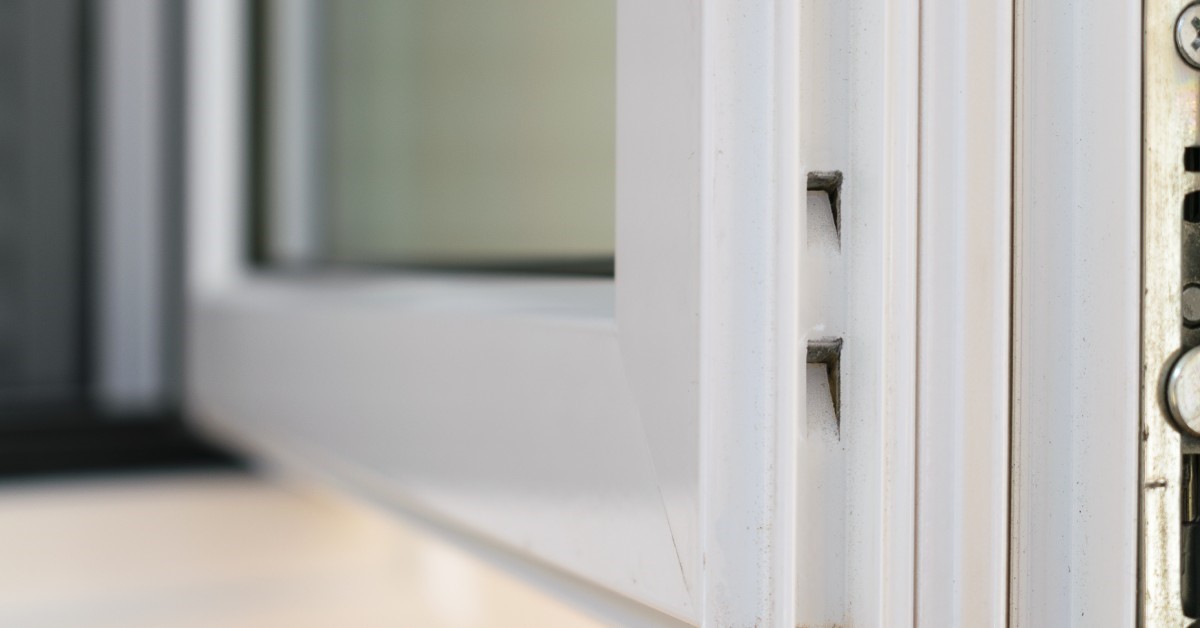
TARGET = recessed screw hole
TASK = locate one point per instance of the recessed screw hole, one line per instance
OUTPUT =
(1189, 306)
(1191, 207)
(1191, 159)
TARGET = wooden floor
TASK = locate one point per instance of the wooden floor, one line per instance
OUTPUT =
(231, 550)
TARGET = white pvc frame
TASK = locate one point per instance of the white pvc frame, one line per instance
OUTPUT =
(647, 435)
(1076, 328)
(598, 381)
(965, 309)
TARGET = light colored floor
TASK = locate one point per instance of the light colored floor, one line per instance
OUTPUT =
(230, 550)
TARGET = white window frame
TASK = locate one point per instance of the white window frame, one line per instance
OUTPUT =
(1077, 315)
(648, 436)
(558, 371)
(963, 329)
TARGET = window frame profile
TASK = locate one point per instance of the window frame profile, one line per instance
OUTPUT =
(650, 438)
(544, 357)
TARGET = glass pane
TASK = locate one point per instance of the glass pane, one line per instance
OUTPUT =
(438, 132)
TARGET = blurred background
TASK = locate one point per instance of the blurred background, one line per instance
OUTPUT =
(447, 134)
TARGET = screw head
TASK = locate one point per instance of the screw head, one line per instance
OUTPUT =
(1187, 34)
(1183, 392)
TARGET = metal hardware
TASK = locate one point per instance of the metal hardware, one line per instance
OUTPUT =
(828, 351)
(1189, 272)
(1187, 34)
(1190, 537)
(831, 184)
(1183, 392)
(1170, 262)
(1190, 305)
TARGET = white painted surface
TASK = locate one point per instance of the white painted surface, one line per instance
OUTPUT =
(496, 405)
(879, 240)
(657, 264)
(750, 349)
(1076, 324)
(964, 311)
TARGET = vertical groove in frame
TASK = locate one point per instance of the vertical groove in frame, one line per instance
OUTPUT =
(1014, 493)
(916, 331)
(1139, 603)
(1012, 311)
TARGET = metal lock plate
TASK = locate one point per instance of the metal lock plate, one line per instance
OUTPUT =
(1170, 314)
